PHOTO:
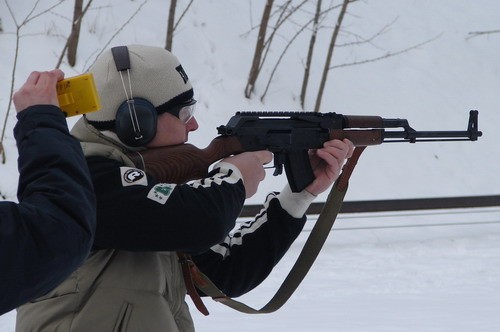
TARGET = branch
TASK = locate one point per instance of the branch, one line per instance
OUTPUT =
(267, 43)
(183, 13)
(117, 32)
(281, 57)
(480, 33)
(27, 19)
(369, 40)
(385, 56)
(30, 18)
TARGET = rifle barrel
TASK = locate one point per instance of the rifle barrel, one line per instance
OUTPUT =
(430, 136)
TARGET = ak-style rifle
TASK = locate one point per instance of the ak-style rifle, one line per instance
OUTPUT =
(289, 136)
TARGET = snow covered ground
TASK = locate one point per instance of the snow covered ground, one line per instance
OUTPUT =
(388, 272)
(376, 273)
(421, 272)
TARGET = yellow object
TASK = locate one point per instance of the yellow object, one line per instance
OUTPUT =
(78, 95)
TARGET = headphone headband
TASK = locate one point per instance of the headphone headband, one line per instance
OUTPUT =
(121, 57)
(136, 119)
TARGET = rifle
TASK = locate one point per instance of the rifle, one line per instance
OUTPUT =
(289, 136)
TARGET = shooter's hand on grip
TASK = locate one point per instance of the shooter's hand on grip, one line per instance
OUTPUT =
(250, 164)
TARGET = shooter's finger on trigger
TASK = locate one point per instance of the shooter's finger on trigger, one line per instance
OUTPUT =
(264, 156)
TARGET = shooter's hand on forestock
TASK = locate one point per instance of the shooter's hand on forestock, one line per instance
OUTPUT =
(327, 163)
(39, 89)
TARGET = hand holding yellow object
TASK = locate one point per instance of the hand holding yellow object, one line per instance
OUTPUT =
(78, 95)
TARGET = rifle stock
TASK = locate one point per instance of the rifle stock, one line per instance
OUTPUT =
(185, 162)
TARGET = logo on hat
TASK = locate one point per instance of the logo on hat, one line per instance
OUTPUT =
(183, 74)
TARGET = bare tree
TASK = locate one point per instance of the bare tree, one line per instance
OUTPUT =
(259, 48)
(75, 32)
(310, 52)
(72, 41)
(285, 11)
(329, 56)
(171, 24)
(290, 42)
(285, 15)
(29, 17)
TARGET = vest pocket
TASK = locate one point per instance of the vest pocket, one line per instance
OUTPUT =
(123, 317)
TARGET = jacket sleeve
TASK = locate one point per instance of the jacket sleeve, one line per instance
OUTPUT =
(49, 233)
(249, 253)
(137, 213)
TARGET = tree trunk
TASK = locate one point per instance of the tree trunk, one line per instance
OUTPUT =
(330, 54)
(259, 47)
(75, 32)
(170, 25)
(310, 52)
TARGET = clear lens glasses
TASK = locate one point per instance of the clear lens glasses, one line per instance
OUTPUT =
(185, 111)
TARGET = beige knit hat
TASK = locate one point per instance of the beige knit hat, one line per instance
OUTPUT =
(155, 75)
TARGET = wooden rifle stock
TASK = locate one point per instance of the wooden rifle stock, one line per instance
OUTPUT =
(363, 121)
(364, 137)
(359, 137)
(184, 162)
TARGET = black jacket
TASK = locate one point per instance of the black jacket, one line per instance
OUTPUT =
(197, 218)
(49, 233)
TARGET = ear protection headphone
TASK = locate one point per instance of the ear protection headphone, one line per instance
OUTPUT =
(136, 118)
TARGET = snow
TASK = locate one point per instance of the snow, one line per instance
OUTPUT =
(377, 272)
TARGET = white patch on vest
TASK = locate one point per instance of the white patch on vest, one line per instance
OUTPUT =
(161, 192)
(133, 176)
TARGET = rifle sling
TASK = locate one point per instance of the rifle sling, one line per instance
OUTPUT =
(311, 249)
(190, 271)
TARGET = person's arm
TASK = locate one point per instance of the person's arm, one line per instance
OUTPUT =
(49, 233)
(247, 256)
(137, 213)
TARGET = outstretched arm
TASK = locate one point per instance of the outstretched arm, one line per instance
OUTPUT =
(49, 233)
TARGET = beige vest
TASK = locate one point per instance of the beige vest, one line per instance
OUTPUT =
(114, 290)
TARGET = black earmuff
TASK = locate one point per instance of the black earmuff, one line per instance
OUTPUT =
(135, 125)
(136, 118)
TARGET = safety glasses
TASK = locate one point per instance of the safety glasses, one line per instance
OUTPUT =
(184, 111)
